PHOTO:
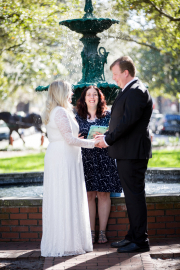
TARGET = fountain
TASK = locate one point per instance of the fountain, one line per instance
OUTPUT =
(93, 59)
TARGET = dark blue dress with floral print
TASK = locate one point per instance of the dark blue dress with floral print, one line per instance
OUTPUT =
(100, 170)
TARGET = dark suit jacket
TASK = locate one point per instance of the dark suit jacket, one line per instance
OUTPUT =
(128, 136)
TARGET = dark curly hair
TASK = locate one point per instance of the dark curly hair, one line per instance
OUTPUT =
(82, 109)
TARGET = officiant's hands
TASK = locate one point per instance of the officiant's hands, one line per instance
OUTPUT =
(97, 133)
(100, 140)
(80, 137)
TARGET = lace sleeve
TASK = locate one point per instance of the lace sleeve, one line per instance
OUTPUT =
(64, 125)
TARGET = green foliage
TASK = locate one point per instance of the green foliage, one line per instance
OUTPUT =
(30, 43)
(155, 26)
(174, 140)
(155, 23)
(34, 49)
(161, 72)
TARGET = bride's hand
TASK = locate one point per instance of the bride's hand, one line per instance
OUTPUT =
(96, 143)
(80, 137)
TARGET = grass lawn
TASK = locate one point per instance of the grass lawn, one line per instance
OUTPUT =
(35, 162)
(29, 163)
(165, 159)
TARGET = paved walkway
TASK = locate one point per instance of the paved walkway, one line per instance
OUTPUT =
(164, 254)
(32, 145)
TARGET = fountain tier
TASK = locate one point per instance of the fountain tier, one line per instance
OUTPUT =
(93, 59)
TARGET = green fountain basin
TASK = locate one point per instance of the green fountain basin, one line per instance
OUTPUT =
(89, 25)
(110, 91)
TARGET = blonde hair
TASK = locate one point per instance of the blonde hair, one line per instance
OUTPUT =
(58, 94)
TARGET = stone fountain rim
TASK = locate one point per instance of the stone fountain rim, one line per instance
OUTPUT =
(152, 169)
(20, 178)
(33, 201)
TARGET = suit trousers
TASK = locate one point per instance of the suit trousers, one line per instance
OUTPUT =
(132, 176)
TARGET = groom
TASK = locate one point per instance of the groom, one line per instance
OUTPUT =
(128, 142)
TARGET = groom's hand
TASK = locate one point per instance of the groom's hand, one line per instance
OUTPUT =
(101, 143)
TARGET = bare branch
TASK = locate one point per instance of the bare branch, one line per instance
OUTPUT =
(52, 13)
(12, 47)
(127, 38)
(4, 35)
(9, 16)
(163, 13)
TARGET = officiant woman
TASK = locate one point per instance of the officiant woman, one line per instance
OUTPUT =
(100, 171)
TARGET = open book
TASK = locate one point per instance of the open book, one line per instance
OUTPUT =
(94, 129)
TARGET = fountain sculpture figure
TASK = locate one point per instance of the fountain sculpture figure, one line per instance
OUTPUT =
(93, 59)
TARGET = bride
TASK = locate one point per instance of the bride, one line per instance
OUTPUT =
(66, 225)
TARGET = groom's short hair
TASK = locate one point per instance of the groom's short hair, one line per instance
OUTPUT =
(125, 63)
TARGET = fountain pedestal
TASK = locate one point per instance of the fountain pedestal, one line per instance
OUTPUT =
(93, 59)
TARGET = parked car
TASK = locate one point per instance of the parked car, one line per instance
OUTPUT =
(154, 121)
(4, 131)
(169, 124)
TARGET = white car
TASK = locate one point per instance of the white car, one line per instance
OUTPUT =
(4, 131)
(154, 121)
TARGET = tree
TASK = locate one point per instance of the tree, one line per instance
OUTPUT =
(30, 47)
(34, 49)
(159, 71)
(152, 23)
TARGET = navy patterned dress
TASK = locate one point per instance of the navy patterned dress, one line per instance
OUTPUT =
(100, 170)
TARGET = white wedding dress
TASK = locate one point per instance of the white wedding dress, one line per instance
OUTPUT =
(66, 224)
